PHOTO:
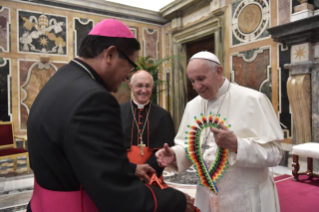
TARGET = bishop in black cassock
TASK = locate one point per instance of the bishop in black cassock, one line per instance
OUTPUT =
(146, 126)
(75, 135)
(159, 129)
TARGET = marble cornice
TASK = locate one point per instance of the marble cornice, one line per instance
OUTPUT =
(297, 32)
(305, 67)
(177, 7)
(201, 29)
(103, 8)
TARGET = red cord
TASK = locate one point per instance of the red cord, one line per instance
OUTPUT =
(154, 197)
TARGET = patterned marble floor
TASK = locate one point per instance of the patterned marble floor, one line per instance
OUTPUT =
(16, 186)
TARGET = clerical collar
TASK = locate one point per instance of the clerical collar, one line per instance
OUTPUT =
(141, 106)
(222, 90)
(93, 72)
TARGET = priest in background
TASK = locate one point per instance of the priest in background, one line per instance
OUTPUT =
(250, 138)
(146, 126)
(75, 135)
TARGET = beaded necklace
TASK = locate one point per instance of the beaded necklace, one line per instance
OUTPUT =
(208, 177)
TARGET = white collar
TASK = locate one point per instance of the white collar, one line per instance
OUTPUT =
(141, 106)
(223, 89)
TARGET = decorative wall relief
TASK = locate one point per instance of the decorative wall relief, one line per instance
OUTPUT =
(300, 53)
(150, 43)
(196, 15)
(5, 25)
(81, 28)
(252, 69)
(284, 113)
(32, 77)
(5, 90)
(41, 33)
(250, 19)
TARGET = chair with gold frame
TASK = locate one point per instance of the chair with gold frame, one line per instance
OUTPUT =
(8, 146)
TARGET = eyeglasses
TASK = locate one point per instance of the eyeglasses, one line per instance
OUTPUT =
(140, 86)
(128, 59)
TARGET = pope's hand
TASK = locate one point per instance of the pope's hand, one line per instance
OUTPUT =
(143, 171)
(225, 138)
(165, 156)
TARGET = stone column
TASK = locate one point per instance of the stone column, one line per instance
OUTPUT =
(218, 45)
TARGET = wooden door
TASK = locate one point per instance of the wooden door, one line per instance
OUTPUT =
(205, 44)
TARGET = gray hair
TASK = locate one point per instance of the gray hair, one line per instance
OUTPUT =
(212, 65)
(132, 78)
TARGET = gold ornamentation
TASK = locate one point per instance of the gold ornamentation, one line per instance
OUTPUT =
(43, 41)
(141, 145)
(249, 19)
(300, 52)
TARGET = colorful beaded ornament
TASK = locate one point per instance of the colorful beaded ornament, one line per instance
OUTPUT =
(207, 177)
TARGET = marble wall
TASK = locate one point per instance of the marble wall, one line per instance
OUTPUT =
(43, 31)
(254, 59)
(4, 29)
(5, 90)
(150, 43)
(284, 11)
(252, 69)
(284, 112)
(82, 27)
(32, 77)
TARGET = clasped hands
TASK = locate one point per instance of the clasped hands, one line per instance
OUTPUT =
(223, 138)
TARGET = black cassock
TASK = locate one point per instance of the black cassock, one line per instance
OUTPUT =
(75, 138)
(159, 129)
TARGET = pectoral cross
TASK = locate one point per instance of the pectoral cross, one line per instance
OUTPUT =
(141, 145)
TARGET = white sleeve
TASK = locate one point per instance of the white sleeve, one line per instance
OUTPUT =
(253, 154)
(264, 148)
(182, 162)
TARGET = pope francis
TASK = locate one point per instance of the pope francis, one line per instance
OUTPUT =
(232, 136)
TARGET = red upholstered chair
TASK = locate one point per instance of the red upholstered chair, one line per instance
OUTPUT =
(8, 146)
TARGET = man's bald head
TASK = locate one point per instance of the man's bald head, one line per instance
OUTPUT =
(141, 73)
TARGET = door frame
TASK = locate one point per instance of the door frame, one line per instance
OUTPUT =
(211, 26)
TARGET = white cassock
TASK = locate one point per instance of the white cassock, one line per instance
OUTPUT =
(247, 184)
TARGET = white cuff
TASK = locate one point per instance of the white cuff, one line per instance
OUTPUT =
(182, 162)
